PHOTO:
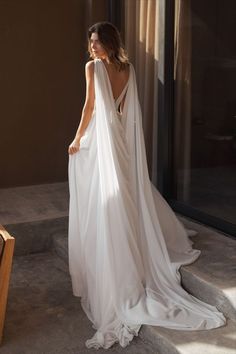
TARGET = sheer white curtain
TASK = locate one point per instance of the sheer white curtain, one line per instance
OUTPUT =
(141, 42)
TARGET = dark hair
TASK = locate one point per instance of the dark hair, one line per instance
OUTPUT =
(110, 39)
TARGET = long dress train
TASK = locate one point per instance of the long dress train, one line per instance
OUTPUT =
(125, 243)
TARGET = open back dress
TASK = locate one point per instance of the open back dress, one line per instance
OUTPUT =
(126, 245)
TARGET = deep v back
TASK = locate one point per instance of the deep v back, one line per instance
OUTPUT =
(121, 96)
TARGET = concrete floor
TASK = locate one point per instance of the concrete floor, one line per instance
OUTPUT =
(43, 317)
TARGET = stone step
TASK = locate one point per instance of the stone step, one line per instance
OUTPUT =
(211, 278)
(165, 341)
(168, 341)
(60, 246)
(33, 214)
(37, 235)
(34, 203)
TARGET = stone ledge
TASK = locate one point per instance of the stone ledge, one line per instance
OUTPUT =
(212, 278)
(36, 236)
(215, 341)
(34, 203)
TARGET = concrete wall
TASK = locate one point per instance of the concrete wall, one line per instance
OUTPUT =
(43, 51)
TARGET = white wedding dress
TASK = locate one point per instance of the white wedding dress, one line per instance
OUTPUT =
(125, 243)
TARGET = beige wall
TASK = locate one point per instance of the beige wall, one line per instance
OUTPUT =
(43, 51)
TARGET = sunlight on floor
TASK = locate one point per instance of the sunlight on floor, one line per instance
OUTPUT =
(230, 293)
(196, 348)
(231, 336)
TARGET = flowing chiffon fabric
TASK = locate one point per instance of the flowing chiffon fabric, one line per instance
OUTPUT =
(125, 243)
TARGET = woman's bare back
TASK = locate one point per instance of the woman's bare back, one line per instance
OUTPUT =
(118, 79)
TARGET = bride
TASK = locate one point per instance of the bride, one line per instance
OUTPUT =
(125, 243)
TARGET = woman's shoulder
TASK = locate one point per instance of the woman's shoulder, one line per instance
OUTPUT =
(89, 69)
(89, 65)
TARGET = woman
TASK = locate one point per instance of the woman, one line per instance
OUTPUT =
(125, 243)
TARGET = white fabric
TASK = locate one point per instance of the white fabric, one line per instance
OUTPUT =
(125, 242)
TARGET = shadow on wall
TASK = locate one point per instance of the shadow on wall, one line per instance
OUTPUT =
(43, 52)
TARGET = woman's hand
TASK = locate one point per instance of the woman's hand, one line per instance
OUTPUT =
(74, 146)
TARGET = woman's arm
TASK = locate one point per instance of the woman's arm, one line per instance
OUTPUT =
(87, 109)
